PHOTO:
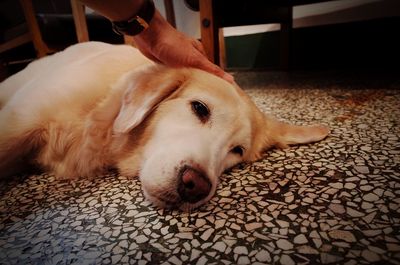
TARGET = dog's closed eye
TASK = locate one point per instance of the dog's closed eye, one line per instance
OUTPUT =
(200, 110)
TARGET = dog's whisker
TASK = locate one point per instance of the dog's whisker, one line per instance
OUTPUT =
(168, 198)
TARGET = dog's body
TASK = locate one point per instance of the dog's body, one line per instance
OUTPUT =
(97, 106)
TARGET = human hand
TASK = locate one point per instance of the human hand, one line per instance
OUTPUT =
(164, 44)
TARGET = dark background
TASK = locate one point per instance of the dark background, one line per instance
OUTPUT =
(372, 44)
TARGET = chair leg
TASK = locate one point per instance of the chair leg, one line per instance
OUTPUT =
(40, 46)
(209, 31)
(170, 13)
(78, 11)
(222, 52)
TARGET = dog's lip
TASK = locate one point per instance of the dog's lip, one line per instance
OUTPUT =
(169, 202)
(163, 198)
(162, 201)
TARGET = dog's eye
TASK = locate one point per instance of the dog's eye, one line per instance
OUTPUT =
(201, 110)
(238, 150)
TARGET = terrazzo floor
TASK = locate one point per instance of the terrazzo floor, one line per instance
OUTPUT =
(332, 202)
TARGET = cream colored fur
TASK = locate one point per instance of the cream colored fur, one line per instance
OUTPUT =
(96, 106)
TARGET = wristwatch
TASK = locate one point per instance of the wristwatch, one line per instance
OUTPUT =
(139, 22)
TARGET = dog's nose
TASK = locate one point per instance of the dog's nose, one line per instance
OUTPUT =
(193, 185)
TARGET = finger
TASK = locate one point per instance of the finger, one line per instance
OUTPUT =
(151, 57)
(199, 46)
(204, 64)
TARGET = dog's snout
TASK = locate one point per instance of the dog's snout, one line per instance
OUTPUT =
(193, 185)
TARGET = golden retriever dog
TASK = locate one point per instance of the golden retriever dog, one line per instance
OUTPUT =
(96, 106)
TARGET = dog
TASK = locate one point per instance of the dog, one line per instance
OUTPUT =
(96, 106)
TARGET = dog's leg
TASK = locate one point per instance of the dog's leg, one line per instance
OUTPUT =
(17, 143)
(16, 150)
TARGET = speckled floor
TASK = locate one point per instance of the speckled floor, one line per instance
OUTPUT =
(336, 201)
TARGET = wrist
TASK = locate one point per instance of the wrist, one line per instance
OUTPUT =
(137, 23)
(156, 26)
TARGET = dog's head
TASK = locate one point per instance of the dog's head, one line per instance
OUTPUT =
(192, 127)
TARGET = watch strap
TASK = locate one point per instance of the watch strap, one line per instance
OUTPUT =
(138, 23)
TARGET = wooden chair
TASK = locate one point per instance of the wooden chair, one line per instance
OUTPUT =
(34, 34)
(78, 11)
(216, 14)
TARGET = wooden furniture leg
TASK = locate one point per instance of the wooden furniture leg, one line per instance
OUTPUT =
(78, 12)
(15, 42)
(169, 12)
(209, 31)
(29, 12)
(221, 45)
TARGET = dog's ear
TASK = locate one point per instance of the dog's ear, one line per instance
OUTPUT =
(288, 134)
(145, 89)
(271, 132)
